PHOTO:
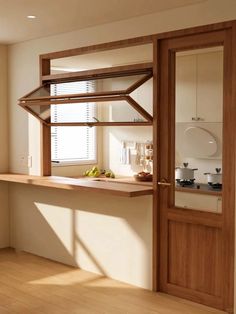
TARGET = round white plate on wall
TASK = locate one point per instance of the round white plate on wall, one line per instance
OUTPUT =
(199, 142)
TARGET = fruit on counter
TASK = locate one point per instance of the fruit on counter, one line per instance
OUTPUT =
(93, 172)
(109, 174)
(96, 172)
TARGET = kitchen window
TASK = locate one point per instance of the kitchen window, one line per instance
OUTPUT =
(73, 144)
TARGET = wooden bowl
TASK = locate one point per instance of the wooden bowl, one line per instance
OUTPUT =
(146, 178)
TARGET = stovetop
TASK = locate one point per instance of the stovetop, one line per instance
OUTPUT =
(185, 182)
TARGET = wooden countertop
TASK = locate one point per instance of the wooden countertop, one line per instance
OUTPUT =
(82, 184)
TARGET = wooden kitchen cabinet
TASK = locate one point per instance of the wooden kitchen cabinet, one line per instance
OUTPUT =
(204, 202)
(199, 87)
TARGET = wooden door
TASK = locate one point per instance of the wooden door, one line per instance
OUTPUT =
(196, 244)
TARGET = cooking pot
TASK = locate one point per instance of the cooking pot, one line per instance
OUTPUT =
(214, 178)
(184, 173)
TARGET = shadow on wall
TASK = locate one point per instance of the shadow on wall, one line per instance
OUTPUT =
(99, 233)
(76, 240)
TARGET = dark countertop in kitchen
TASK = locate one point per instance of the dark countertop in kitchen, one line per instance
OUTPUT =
(200, 188)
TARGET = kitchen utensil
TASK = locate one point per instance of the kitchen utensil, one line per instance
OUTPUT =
(123, 153)
(214, 178)
(184, 173)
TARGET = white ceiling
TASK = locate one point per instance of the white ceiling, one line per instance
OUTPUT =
(58, 16)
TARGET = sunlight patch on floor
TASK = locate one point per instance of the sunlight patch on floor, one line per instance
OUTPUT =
(75, 277)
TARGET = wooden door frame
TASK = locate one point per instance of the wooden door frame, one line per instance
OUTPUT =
(164, 100)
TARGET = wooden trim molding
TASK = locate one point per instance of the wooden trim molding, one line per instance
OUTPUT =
(143, 40)
(139, 83)
(45, 140)
(92, 124)
(229, 153)
(126, 70)
(64, 98)
(139, 108)
(156, 169)
(45, 150)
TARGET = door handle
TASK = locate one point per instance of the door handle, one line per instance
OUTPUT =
(164, 183)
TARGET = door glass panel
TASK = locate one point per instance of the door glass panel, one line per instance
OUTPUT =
(198, 129)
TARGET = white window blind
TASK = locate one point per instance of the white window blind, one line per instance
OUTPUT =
(73, 144)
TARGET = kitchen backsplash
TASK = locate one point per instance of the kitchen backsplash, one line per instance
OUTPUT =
(115, 139)
(204, 165)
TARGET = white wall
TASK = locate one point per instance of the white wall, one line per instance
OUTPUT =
(28, 214)
(100, 233)
(4, 213)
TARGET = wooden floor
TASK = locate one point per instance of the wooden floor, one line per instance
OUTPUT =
(30, 284)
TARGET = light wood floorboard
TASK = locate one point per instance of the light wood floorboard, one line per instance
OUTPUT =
(31, 284)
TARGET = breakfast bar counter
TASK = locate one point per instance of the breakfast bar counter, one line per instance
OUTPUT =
(117, 187)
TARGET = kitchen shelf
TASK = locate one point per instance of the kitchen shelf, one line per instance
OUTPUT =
(81, 184)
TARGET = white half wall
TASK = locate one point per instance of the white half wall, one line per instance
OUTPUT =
(103, 234)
